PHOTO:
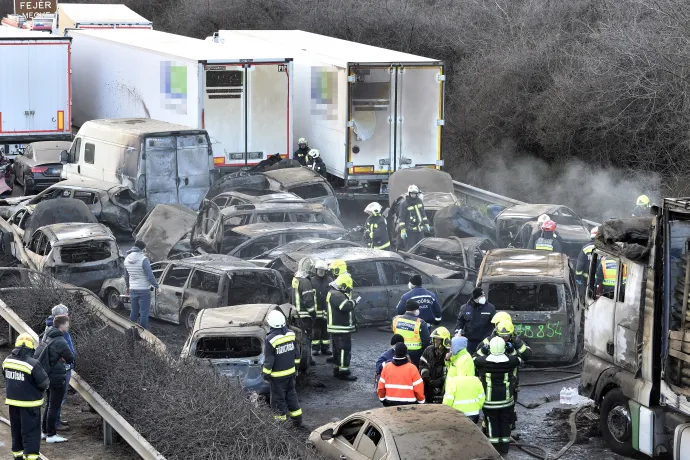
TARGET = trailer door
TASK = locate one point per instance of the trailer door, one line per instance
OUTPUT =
(223, 113)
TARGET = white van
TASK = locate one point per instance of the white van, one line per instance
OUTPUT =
(163, 162)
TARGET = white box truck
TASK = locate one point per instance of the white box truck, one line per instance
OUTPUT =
(369, 111)
(241, 96)
(99, 16)
(34, 88)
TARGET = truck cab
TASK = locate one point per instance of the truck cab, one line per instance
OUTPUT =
(637, 339)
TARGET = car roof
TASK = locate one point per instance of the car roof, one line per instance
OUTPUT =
(234, 316)
(251, 207)
(51, 145)
(217, 262)
(528, 210)
(263, 196)
(347, 254)
(87, 184)
(75, 231)
(293, 176)
(252, 230)
(522, 263)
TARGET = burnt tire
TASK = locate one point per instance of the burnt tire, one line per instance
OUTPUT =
(112, 299)
(188, 318)
(615, 423)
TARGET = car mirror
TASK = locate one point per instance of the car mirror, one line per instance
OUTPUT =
(327, 435)
(64, 157)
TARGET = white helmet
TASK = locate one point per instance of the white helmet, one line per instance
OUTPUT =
(314, 153)
(593, 232)
(276, 319)
(304, 267)
(302, 141)
(543, 218)
(413, 189)
(321, 268)
(373, 208)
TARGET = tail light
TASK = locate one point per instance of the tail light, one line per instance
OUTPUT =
(39, 169)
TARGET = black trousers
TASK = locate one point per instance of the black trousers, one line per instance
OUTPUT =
(496, 426)
(412, 239)
(342, 352)
(320, 340)
(54, 397)
(26, 431)
(284, 399)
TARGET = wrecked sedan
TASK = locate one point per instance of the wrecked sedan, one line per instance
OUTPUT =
(231, 339)
(537, 288)
(423, 431)
(254, 196)
(381, 278)
(165, 230)
(112, 204)
(512, 231)
(39, 166)
(209, 281)
(457, 253)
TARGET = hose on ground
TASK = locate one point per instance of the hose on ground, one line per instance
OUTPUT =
(7, 422)
(546, 382)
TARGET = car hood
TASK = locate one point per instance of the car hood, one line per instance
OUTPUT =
(431, 269)
(163, 228)
(428, 180)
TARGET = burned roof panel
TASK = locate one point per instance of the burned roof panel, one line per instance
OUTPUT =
(217, 262)
(234, 316)
(521, 211)
(292, 176)
(278, 206)
(346, 254)
(57, 211)
(523, 262)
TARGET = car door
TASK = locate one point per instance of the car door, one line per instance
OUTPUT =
(371, 443)
(203, 290)
(345, 438)
(35, 247)
(373, 306)
(169, 301)
(397, 276)
(90, 199)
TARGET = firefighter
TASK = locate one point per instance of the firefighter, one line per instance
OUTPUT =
(432, 365)
(317, 163)
(583, 260)
(320, 342)
(302, 153)
(642, 206)
(400, 383)
(466, 394)
(414, 330)
(506, 330)
(376, 228)
(282, 359)
(303, 296)
(496, 372)
(459, 361)
(25, 382)
(412, 220)
(474, 320)
(341, 324)
(429, 308)
(547, 240)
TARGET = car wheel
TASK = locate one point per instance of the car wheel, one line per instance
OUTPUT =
(305, 359)
(189, 318)
(615, 422)
(112, 299)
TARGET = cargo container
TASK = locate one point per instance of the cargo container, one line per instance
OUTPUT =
(241, 96)
(86, 16)
(34, 88)
(369, 111)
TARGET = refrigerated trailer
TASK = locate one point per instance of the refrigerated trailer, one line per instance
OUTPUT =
(99, 16)
(241, 96)
(369, 111)
(34, 88)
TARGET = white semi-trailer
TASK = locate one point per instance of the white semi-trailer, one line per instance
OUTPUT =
(369, 111)
(99, 16)
(242, 96)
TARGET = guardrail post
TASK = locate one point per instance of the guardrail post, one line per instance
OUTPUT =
(11, 335)
(107, 434)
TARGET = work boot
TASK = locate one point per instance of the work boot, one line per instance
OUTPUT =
(336, 372)
(61, 427)
(345, 375)
(315, 352)
(330, 359)
(326, 352)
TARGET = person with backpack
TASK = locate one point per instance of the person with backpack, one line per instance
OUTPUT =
(54, 355)
(61, 310)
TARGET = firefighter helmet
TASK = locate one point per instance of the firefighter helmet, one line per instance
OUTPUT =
(443, 334)
(549, 226)
(543, 218)
(505, 328)
(373, 208)
(643, 200)
(302, 141)
(342, 283)
(25, 340)
(594, 232)
(305, 267)
(320, 268)
(501, 316)
(314, 153)
(338, 267)
(497, 346)
(276, 319)
(412, 189)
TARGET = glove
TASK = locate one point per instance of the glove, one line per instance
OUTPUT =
(403, 234)
(427, 228)
(509, 347)
(266, 377)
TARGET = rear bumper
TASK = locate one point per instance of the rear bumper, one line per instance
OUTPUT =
(40, 183)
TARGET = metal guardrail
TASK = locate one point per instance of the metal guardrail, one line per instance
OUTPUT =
(478, 197)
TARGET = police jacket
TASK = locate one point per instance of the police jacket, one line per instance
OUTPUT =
(302, 155)
(583, 259)
(514, 347)
(303, 296)
(412, 216)
(282, 353)
(414, 330)
(432, 367)
(464, 393)
(321, 289)
(340, 312)
(376, 232)
(546, 241)
(429, 308)
(319, 165)
(475, 320)
(497, 373)
(53, 354)
(25, 379)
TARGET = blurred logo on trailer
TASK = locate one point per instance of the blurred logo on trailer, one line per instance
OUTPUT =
(174, 87)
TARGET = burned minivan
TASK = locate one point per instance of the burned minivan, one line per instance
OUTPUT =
(231, 339)
(538, 290)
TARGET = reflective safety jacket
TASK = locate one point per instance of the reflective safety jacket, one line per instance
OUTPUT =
(412, 216)
(25, 379)
(303, 296)
(282, 353)
(414, 330)
(400, 383)
(497, 374)
(607, 272)
(464, 393)
(302, 155)
(583, 260)
(340, 313)
(376, 232)
(514, 347)
(321, 289)
(547, 241)
(460, 364)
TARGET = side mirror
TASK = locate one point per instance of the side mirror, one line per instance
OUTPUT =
(64, 157)
(327, 435)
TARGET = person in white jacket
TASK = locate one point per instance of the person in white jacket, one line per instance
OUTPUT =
(140, 282)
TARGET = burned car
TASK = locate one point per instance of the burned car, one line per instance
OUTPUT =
(537, 288)
(305, 245)
(381, 278)
(428, 431)
(231, 339)
(209, 281)
(456, 252)
(112, 204)
(166, 230)
(463, 221)
(511, 228)
(254, 196)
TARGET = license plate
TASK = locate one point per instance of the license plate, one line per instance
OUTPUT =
(51, 172)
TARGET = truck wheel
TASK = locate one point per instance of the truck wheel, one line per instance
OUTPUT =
(188, 318)
(616, 424)
(112, 299)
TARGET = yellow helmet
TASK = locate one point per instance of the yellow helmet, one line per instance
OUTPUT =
(25, 340)
(443, 334)
(643, 200)
(343, 282)
(501, 316)
(505, 328)
(338, 267)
